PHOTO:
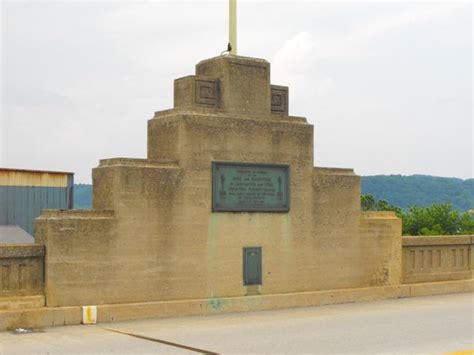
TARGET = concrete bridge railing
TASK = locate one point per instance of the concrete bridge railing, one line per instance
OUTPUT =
(437, 258)
(21, 270)
(424, 259)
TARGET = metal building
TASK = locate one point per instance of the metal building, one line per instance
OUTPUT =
(25, 193)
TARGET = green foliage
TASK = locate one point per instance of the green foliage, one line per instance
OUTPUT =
(466, 223)
(437, 219)
(370, 203)
(420, 190)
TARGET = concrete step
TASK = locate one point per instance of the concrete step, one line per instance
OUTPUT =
(21, 302)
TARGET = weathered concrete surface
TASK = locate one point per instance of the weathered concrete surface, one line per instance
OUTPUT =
(240, 78)
(164, 242)
(21, 302)
(21, 271)
(53, 316)
(80, 246)
(153, 247)
(437, 258)
(425, 325)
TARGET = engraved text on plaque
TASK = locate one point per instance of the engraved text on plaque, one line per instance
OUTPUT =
(250, 187)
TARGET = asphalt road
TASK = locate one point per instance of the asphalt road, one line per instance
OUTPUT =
(422, 325)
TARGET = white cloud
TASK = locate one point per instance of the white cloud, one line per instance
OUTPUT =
(364, 115)
(296, 62)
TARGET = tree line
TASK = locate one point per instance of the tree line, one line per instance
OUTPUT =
(437, 219)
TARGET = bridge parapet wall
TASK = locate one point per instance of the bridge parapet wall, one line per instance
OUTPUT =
(21, 270)
(437, 258)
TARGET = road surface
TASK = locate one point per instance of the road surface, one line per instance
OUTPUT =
(422, 325)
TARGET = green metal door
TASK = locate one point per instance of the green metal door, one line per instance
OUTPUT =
(253, 266)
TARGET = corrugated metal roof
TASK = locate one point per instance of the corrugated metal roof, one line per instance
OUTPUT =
(38, 171)
(14, 235)
(22, 177)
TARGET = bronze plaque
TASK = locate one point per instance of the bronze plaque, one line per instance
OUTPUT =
(248, 187)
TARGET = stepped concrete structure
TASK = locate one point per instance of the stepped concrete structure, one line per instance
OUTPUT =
(226, 213)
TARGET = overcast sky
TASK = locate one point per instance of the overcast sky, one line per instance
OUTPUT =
(387, 86)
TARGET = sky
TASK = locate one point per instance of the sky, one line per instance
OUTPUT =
(387, 85)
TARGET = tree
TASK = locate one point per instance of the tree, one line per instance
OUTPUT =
(437, 219)
(367, 203)
(370, 203)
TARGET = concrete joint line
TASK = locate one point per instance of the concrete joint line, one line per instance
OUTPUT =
(176, 345)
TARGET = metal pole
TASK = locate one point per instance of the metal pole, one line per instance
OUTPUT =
(233, 26)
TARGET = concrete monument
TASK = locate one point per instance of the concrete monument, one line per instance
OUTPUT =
(226, 213)
(227, 169)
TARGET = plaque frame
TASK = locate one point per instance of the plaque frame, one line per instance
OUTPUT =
(284, 167)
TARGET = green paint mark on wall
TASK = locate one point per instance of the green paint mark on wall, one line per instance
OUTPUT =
(215, 304)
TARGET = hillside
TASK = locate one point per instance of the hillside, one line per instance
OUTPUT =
(82, 196)
(402, 191)
(420, 190)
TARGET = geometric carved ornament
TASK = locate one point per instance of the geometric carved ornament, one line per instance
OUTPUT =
(279, 99)
(207, 92)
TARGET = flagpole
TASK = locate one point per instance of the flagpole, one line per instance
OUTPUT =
(233, 26)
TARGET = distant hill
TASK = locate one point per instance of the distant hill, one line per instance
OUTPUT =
(420, 190)
(402, 191)
(82, 196)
